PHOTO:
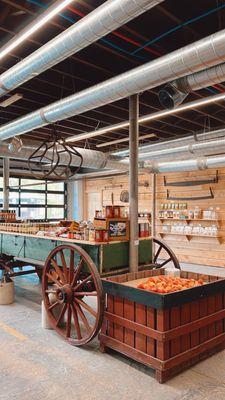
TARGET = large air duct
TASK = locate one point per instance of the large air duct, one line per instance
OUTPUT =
(175, 92)
(101, 21)
(184, 151)
(156, 148)
(91, 158)
(200, 55)
(200, 163)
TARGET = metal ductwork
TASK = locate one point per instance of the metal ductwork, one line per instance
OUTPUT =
(175, 143)
(196, 164)
(172, 95)
(185, 151)
(101, 21)
(91, 158)
(204, 53)
(175, 92)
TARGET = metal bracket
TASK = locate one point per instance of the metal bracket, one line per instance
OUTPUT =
(210, 196)
(193, 183)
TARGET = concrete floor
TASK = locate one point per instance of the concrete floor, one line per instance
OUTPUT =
(36, 364)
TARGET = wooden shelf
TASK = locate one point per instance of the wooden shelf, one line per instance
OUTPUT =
(189, 220)
(190, 235)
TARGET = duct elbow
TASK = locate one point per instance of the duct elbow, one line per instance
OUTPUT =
(173, 94)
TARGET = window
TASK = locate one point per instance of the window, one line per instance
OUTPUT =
(32, 199)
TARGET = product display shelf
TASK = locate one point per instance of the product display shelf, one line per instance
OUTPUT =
(188, 220)
(190, 235)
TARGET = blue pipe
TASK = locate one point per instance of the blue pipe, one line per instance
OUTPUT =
(188, 22)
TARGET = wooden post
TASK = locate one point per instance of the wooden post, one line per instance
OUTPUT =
(153, 212)
(133, 182)
(5, 183)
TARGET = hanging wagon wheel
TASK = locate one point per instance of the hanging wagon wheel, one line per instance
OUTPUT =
(73, 294)
(163, 255)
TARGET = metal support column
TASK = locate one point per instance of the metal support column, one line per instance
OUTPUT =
(153, 213)
(5, 183)
(133, 182)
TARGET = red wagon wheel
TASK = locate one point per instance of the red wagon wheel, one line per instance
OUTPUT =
(163, 255)
(73, 294)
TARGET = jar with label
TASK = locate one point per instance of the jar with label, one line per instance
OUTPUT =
(197, 213)
(190, 214)
(214, 230)
(91, 235)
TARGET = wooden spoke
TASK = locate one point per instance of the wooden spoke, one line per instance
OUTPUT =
(63, 261)
(81, 294)
(83, 317)
(58, 270)
(71, 271)
(76, 322)
(169, 255)
(77, 272)
(53, 279)
(83, 282)
(165, 262)
(71, 284)
(53, 305)
(158, 252)
(61, 315)
(69, 316)
(87, 307)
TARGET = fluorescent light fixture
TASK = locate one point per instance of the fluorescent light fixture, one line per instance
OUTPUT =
(149, 117)
(34, 26)
(11, 100)
(148, 136)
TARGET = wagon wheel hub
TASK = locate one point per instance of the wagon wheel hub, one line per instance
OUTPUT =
(65, 294)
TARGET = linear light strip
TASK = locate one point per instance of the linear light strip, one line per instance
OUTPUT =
(34, 26)
(149, 117)
(148, 136)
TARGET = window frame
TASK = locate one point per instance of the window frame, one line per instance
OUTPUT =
(18, 206)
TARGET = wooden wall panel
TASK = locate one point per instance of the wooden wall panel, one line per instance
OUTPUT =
(202, 250)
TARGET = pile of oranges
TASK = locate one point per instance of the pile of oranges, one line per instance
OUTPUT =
(168, 284)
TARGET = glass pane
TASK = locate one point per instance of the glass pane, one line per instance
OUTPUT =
(13, 197)
(55, 213)
(34, 184)
(55, 199)
(32, 198)
(13, 182)
(1, 197)
(1, 183)
(57, 186)
(32, 213)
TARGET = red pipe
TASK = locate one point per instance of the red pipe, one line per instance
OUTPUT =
(118, 34)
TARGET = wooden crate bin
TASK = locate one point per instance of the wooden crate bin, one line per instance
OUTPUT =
(167, 332)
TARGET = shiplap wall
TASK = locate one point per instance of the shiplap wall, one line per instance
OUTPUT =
(206, 250)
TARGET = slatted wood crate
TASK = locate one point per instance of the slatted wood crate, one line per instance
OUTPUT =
(165, 332)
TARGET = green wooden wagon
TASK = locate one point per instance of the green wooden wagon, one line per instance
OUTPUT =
(71, 273)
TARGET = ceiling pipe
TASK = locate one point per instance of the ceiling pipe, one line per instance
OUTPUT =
(200, 163)
(197, 56)
(170, 144)
(109, 16)
(175, 92)
(209, 147)
(146, 119)
(91, 158)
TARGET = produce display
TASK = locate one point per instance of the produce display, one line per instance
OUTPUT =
(167, 284)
